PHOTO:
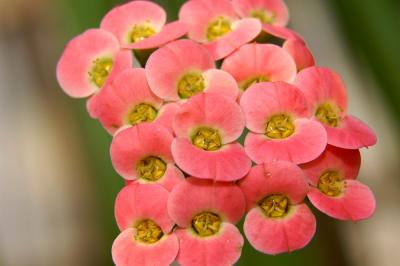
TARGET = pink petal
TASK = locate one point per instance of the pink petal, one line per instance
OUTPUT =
(135, 143)
(277, 177)
(227, 164)
(346, 162)
(219, 250)
(121, 19)
(137, 202)
(194, 196)
(127, 252)
(279, 235)
(352, 133)
(276, 7)
(165, 66)
(321, 85)
(282, 32)
(166, 115)
(265, 99)
(168, 33)
(213, 110)
(253, 60)
(356, 203)
(219, 81)
(307, 143)
(300, 53)
(244, 31)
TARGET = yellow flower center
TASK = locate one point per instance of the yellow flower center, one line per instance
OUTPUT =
(248, 82)
(206, 224)
(279, 127)
(148, 232)
(190, 84)
(329, 114)
(142, 112)
(263, 15)
(275, 206)
(207, 139)
(142, 31)
(330, 183)
(100, 70)
(151, 168)
(218, 28)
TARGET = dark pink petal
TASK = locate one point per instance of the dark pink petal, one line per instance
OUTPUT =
(168, 64)
(121, 19)
(346, 162)
(133, 144)
(226, 164)
(279, 235)
(267, 60)
(127, 252)
(244, 31)
(265, 99)
(300, 53)
(222, 249)
(213, 110)
(351, 133)
(277, 177)
(219, 81)
(282, 32)
(321, 85)
(357, 202)
(194, 196)
(307, 143)
(136, 202)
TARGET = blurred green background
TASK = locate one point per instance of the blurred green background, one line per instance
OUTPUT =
(57, 208)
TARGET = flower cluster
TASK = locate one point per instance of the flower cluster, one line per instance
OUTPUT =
(201, 147)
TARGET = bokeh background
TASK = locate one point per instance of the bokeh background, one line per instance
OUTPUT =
(57, 185)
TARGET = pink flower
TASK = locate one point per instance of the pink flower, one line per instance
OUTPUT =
(184, 68)
(89, 61)
(254, 63)
(300, 53)
(334, 190)
(278, 221)
(326, 94)
(128, 100)
(215, 24)
(277, 117)
(141, 25)
(145, 240)
(207, 127)
(143, 153)
(205, 211)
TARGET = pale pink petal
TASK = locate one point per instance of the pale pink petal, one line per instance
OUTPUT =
(136, 202)
(357, 202)
(194, 196)
(222, 249)
(265, 99)
(127, 252)
(168, 64)
(282, 32)
(346, 162)
(226, 164)
(135, 143)
(266, 60)
(307, 143)
(219, 81)
(279, 235)
(300, 53)
(211, 110)
(278, 177)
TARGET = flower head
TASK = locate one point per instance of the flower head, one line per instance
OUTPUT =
(215, 24)
(277, 117)
(207, 127)
(205, 211)
(278, 221)
(334, 189)
(326, 94)
(90, 61)
(141, 214)
(143, 153)
(141, 25)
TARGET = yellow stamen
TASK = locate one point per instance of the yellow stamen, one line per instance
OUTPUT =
(329, 114)
(330, 183)
(279, 127)
(275, 206)
(100, 70)
(218, 28)
(151, 168)
(142, 112)
(148, 232)
(206, 224)
(248, 82)
(207, 139)
(263, 15)
(142, 31)
(190, 84)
